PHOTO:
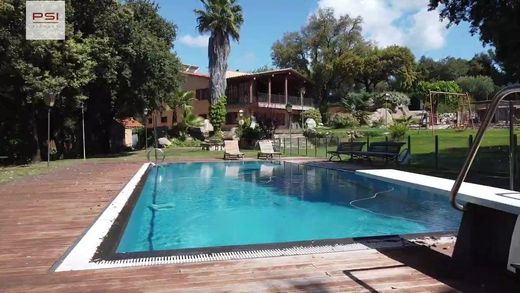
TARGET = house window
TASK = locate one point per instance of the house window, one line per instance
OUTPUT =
(202, 94)
(164, 119)
(150, 121)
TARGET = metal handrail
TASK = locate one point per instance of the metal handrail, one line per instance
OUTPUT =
(478, 139)
(155, 150)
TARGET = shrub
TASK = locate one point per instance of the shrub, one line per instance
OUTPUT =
(390, 99)
(313, 133)
(355, 102)
(314, 114)
(217, 113)
(398, 130)
(245, 132)
(362, 116)
(185, 143)
(343, 120)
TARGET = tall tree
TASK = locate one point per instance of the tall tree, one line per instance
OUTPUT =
(495, 21)
(484, 64)
(479, 87)
(222, 19)
(315, 48)
(394, 65)
(448, 68)
(116, 59)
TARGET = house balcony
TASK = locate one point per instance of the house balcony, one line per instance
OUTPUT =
(279, 102)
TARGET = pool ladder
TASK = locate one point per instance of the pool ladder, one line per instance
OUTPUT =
(495, 102)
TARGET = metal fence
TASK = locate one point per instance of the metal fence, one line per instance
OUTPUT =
(437, 152)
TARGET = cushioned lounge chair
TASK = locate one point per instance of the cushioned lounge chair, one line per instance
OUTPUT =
(231, 150)
(267, 150)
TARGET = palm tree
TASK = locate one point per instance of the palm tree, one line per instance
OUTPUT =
(183, 100)
(189, 120)
(221, 18)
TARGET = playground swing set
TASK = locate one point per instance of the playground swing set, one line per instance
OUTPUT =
(464, 114)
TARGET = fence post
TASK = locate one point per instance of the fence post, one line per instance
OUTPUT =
(386, 138)
(436, 152)
(470, 140)
(306, 149)
(517, 166)
(316, 141)
(326, 145)
(410, 145)
(368, 141)
(290, 145)
(298, 140)
(284, 146)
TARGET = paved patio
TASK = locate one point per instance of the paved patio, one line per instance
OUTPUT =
(42, 216)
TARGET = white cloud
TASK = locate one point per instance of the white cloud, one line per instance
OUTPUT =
(195, 41)
(395, 22)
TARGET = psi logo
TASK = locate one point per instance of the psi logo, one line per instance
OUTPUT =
(45, 20)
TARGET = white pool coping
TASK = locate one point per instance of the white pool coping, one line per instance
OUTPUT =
(487, 196)
(81, 254)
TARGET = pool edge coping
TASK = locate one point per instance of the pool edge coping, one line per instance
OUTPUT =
(80, 254)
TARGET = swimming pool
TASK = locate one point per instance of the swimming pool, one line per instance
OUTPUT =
(205, 205)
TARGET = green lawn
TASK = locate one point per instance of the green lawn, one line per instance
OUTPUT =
(186, 153)
(15, 172)
(492, 158)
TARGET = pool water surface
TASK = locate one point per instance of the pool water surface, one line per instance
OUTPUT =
(200, 205)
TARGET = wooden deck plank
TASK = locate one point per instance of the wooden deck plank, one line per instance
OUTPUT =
(42, 216)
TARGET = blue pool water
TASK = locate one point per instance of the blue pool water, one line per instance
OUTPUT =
(198, 205)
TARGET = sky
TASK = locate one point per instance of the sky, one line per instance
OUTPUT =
(385, 22)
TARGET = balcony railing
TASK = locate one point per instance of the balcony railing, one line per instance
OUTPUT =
(241, 100)
(280, 99)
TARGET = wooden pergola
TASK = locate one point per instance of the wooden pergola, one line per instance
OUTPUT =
(433, 94)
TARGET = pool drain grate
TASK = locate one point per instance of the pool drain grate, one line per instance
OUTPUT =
(250, 254)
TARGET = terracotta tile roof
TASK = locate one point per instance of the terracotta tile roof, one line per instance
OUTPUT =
(130, 123)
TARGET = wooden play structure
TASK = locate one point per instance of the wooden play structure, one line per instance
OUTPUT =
(464, 114)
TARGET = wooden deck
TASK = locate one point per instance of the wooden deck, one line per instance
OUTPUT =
(42, 216)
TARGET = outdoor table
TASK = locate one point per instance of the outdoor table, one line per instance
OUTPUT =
(207, 145)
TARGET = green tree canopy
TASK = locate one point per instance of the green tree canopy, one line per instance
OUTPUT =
(485, 64)
(394, 64)
(495, 21)
(116, 59)
(448, 68)
(480, 87)
(222, 19)
(314, 49)
(423, 88)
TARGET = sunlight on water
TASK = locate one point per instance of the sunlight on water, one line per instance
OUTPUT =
(198, 205)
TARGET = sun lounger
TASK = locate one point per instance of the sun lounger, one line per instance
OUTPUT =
(231, 150)
(267, 150)
(387, 150)
(346, 148)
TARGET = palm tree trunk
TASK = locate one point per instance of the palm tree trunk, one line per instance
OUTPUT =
(218, 53)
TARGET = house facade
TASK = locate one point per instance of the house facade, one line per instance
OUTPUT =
(263, 95)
